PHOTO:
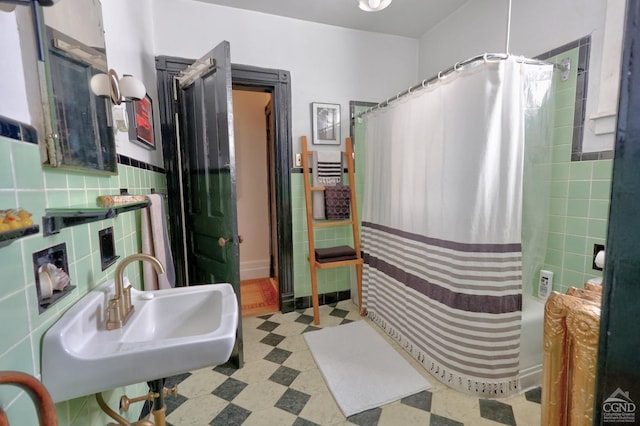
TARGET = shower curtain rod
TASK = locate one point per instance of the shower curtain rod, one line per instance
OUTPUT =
(487, 57)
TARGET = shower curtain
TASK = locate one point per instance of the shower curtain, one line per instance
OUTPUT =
(441, 221)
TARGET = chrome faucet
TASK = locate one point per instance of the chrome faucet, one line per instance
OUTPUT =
(120, 308)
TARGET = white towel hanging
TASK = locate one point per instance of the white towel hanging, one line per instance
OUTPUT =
(155, 242)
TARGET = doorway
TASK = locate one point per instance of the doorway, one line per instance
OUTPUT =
(255, 192)
(246, 78)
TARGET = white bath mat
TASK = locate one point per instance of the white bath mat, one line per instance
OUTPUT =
(361, 369)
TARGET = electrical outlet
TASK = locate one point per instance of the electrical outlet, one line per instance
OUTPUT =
(298, 160)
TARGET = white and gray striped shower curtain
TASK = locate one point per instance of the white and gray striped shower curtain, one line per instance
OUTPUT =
(441, 222)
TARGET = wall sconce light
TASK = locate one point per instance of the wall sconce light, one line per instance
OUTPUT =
(125, 89)
(373, 5)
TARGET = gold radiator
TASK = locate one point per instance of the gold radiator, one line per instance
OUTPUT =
(571, 329)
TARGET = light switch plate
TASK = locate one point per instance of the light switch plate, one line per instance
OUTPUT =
(298, 160)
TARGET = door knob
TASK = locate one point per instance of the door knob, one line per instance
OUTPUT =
(222, 241)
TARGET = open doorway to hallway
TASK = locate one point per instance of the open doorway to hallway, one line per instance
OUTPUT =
(277, 84)
(254, 148)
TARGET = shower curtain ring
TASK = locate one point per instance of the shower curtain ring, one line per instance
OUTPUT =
(457, 66)
(423, 86)
(485, 57)
(440, 76)
(397, 96)
(409, 92)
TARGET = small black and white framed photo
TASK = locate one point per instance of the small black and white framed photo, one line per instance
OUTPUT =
(326, 123)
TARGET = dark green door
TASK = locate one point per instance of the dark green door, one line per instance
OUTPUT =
(208, 170)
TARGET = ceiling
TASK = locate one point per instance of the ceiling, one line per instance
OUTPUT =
(409, 18)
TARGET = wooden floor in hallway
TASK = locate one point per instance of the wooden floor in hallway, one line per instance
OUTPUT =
(259, 296)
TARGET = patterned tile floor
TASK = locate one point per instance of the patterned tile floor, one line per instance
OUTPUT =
(281, 385)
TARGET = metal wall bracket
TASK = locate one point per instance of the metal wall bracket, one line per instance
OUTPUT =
(565, 68)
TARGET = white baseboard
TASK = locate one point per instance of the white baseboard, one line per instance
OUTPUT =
(250, 270)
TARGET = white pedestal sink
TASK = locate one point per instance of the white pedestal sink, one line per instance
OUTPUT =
(171, 332)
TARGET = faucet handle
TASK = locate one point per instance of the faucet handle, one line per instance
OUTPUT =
(114, 306)
(113, 312)
(127, 299)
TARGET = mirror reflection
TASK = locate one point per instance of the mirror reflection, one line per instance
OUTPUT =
(80, 128)
(88, 30)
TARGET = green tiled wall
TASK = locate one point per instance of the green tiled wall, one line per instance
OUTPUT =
(579, 197)
(24, 183)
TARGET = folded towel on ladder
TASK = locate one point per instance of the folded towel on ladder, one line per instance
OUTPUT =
(337, 202)
(334, 254)
(327, 171)
(329, 167)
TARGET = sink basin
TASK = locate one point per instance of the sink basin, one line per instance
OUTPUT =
(171, 331)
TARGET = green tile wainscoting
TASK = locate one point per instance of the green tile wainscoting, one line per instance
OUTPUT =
(26, 184)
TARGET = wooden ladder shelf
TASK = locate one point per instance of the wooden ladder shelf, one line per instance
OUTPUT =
(312, 224)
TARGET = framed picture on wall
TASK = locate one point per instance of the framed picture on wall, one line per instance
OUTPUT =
(325, 120)
(141, 122)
